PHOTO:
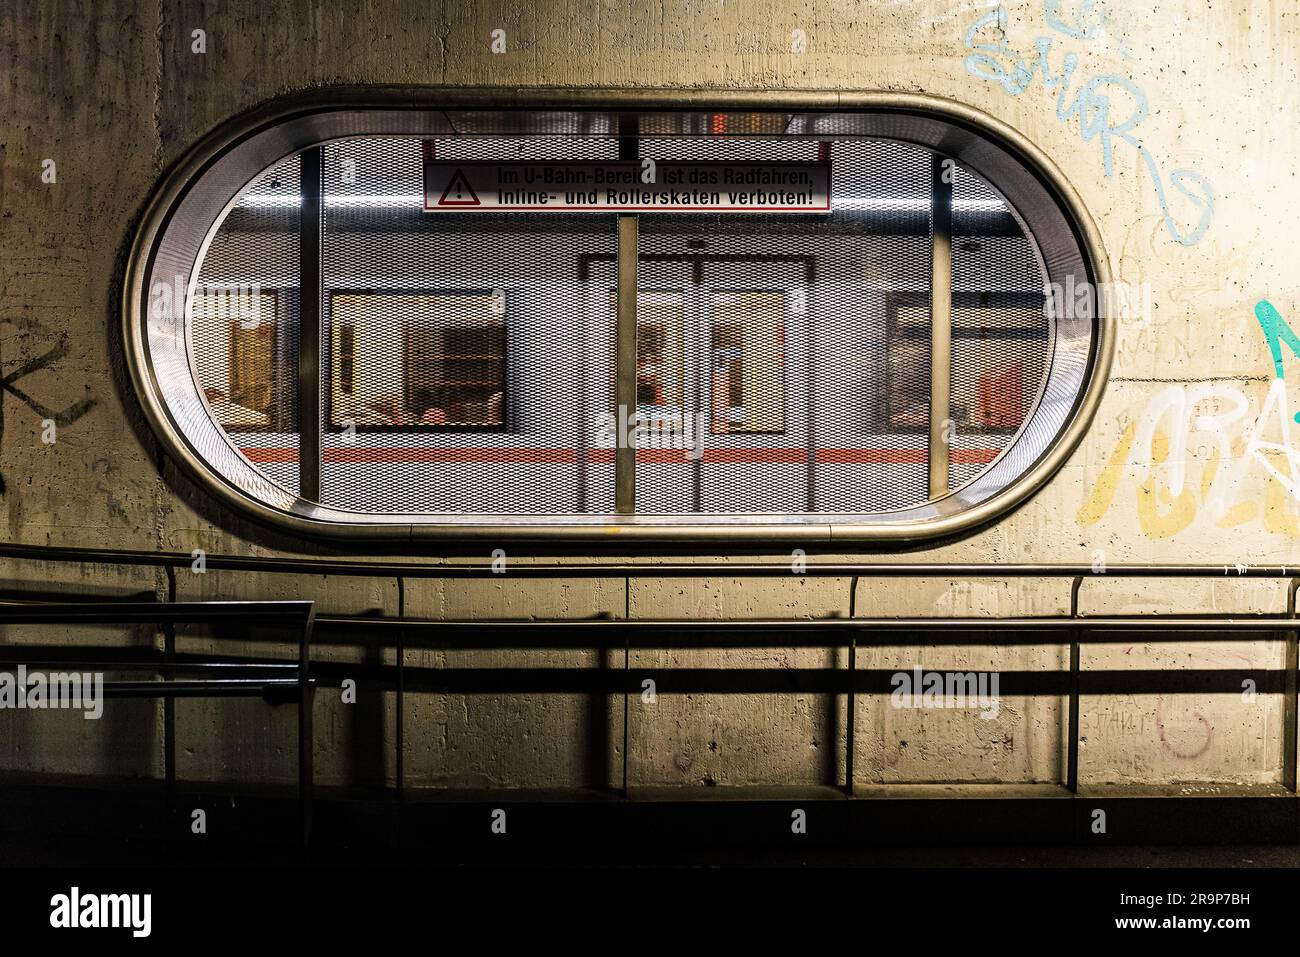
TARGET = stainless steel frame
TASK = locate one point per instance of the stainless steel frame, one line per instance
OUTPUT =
(251, 142)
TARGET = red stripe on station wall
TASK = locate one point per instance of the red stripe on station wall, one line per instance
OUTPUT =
(648, 456)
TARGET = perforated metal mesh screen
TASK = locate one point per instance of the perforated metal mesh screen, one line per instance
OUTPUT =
(243, 324)
(807, 402)
(1000, 332)
(466, 365)
(467, 360)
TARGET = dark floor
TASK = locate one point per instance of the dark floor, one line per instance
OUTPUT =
(96, 823)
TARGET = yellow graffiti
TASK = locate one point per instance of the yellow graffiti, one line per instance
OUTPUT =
(1152, 497)
(1104, 493)
(1247, 458)
(1279, 508)
(1161, 514)
(1242, 512)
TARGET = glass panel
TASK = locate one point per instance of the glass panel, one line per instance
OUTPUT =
(783, 360)
(748, 364)
(660, 361)
(907, 375)
(444, 367)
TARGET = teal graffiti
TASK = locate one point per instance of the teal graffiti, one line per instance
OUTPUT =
(1276, 332)
(1091, 105)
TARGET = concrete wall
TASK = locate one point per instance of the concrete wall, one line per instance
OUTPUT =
(112, 94)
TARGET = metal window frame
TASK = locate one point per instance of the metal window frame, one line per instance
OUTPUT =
(291, 124)
(414, 292)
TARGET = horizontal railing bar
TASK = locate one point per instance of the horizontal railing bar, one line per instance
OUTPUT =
(12, 660)
(689, 631)
(878, 680)
(776, 680)
(711, 569)
(113, 613)
(195, 688)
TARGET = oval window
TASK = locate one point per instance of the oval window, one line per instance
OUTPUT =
(405, 324)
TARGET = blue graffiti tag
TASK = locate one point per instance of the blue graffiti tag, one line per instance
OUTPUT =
(1083, 30)
(1091, 105)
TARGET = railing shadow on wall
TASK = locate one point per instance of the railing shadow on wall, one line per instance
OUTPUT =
(181, 677)
(610, 635)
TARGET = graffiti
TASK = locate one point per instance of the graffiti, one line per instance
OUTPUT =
(1187, 746)
(1115, 724)
(995, 61)
(1081, 30)
(1212, 422)
(9, 384)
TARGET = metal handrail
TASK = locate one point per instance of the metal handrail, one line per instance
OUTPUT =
(723, 569)
(1073, 629)
(298, 613)
(677, 628)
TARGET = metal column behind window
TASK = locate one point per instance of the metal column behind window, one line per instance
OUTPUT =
(940, 321)
(309, 329)
(625, 398)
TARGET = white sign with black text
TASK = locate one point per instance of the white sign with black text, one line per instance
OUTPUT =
(627, 186)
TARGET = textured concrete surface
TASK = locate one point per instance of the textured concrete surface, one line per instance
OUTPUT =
(112, 93)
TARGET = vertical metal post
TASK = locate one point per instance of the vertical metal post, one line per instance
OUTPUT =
(169, 702)
(400, 768)
(1290, 705)
(627, 642)
(304, 727)
(810, 357)
(309, 326)
(584, 423)
(940, 322)
(698, 337)
(850, 718)
(625, 364)
(1072, 727)
(625, 405)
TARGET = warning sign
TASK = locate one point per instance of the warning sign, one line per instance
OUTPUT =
(631, 186)
(458, 192)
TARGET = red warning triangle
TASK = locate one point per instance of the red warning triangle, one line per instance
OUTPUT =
(459, 192)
